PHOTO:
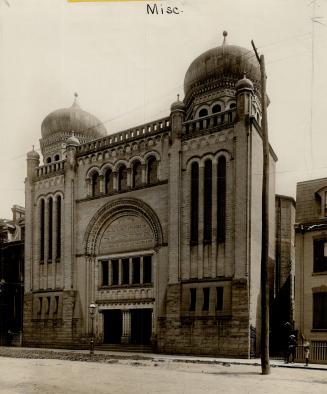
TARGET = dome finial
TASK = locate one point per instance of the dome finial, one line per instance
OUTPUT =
(75, 103)
(178, 97)
(225, 34)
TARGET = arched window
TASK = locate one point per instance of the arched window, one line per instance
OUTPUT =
(95, 184)
(58, 244)
(50, 210)
(48, 160)
(42, 209)
(109, 181)
(203, 112)
(216, 108)
(232, 105)
(194, 202)
(207, 201)
(221, 199)
(137, 174)
(152, 170)
(122, 178)
(57, 158)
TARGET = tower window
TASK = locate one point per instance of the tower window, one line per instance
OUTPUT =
(125, 266)
(192, 299)
(48, 160)
(109, 184)
(136, 270)
(207, 201)
(95, 184)
(115, 271)
(221, 199)
(194, 202)
(206, 296)
(58, 245)
(203, 112)
(219, 298)
(137, 174)
(56, 158)
(152, 170)
(232, 105)
(122, 178)
(147, 269)
(50, 210)
(42, 208)
(216, 108)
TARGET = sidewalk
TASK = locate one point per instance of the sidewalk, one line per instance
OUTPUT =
(21, 352)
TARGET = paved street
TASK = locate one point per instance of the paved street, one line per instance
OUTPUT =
(151, 375)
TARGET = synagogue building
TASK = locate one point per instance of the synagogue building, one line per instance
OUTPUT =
(159, 225)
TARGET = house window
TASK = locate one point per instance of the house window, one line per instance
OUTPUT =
(125, 266)
(221, 199)
(194, 202)
(206, 295)
(136, 270)
(105, 273)
(319, 311)
(109, 181)
(115, 271)
(219, 298)
(207, 201)
(147, 269)
(137, 174)
(122, 178)
(320, 255)
(152, 167)
(192, 299)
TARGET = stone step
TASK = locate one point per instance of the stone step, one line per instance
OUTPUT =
(125, 348)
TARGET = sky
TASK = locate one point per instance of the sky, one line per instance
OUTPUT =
(127, 68)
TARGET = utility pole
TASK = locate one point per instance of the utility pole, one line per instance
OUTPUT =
(265, 364)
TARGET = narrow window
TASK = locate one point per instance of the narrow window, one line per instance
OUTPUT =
(136, 270)
(56, 308)
(39, 311)
(216, 108)
(95, 184)
(48, 305)
(221, 199)
(50, 210)
(58, 246)
(203, 112)
(125, 278)
(105, 273)
(48, 161)
(192, 299)
(219, 298)
(137, 174)
(56, 158)
(194, 202)
(42, 207)
(319, 311)
(115, 270)
(206, 295)
(152, 167)
(122, 178)
(207, 201)
(147, 269)
(109, 181)
(232, 105)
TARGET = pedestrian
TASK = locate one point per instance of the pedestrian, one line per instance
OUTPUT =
(291, 348)
(306, 348)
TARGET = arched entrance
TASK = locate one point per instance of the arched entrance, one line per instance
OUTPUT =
(124, 237)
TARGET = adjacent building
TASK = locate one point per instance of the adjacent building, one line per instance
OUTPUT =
(12, 277)
(159, 225)
(311, 264)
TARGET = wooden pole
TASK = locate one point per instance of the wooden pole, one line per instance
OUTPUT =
(265, 364)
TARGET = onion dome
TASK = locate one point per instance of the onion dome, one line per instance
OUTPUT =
(224, 61)
(177, 105)
(72, 140)
(66, 120)
(33, 155)
(244, 84)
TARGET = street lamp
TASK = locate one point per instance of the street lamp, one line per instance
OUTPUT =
(92, 312)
